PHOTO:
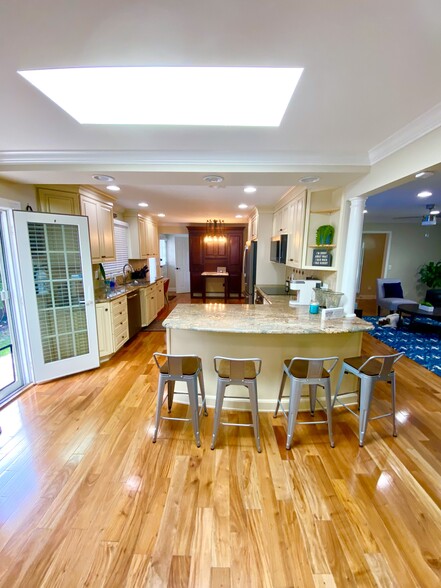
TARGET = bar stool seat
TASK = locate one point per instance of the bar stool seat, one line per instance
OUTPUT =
(180, 368)
(312, 372)
(369, 370)
(242, 372)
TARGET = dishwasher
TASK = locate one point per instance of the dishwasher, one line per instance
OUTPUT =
(134, 313)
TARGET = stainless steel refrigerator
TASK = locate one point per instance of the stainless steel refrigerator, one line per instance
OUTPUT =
(249, 270)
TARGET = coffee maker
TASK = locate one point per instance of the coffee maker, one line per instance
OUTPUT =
(301, 291)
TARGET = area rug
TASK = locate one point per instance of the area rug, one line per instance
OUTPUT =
(155, 326)
(423, 347)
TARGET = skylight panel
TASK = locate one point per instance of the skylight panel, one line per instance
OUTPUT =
(216, 96)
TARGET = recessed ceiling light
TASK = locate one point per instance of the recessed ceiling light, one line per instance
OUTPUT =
(226, 96)
(243, 206)
(249, 189)
(100, 178)
(239, 215)
(424, 194)
(309, 180)
(161, 214)
(424, 174)
(213, 179)
(113, 188)
(143, 204)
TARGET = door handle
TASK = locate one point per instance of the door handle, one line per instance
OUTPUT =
(178, 268)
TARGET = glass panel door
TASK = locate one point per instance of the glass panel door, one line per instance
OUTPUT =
(10, 364)
(56, 271)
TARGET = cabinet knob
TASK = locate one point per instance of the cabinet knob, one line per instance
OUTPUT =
(106, 309)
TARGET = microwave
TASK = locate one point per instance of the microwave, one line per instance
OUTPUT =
(278, 249)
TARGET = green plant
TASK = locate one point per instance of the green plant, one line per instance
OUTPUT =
(430, 274)
(324, 235)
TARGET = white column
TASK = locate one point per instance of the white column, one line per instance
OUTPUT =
(352, 254)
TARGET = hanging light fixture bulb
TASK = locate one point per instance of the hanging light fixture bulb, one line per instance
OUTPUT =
(215, 232)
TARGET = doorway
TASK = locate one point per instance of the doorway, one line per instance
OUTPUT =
(12, 372)
(373, 264)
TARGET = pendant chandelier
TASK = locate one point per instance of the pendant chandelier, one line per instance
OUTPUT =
(214, 232)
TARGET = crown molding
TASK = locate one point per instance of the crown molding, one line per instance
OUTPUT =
(182, 160)
(422, 125)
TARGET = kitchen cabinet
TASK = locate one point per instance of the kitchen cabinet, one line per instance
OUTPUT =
(252, 226)
(295, 238)
(143, 236)
(207, 257)
(58, 200)
(282, 220)
(99, 211)
(148, 304)
(137, 245)
(113, 325)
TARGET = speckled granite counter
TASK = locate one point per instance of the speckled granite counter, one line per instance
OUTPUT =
(272, 332)
(278, 318)
(105, 294)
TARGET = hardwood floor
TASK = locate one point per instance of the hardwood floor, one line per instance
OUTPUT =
(86, 498)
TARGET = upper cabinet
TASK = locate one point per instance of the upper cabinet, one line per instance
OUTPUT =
(282, 220)
(297, 208)
(58, 200)
(143, 236)
(99, 210)
(252, 225)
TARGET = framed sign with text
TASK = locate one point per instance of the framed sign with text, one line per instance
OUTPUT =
(321, 257)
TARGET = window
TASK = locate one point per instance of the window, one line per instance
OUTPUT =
(121, 232)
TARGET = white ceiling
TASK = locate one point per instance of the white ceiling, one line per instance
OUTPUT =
(371, 70)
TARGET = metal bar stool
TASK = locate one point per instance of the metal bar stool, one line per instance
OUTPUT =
(242, 372)
(369, 370)
(313, 372)
(180, 368)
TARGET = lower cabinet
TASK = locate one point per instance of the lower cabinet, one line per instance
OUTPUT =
(113, 325)
(148, 304)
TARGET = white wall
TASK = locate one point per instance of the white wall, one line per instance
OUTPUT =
(409, 249)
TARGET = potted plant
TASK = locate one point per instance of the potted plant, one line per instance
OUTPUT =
(427, 306)
(324, 235)
(430, 274)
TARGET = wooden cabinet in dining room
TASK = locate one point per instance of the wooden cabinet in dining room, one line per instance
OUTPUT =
(99, 210)
(208, 257)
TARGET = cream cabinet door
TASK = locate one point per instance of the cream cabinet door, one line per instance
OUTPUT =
(58, 201)
(151, 299)
(159, 296)
(152, 238)
(295, 242)
(100, 215)
(105, 331)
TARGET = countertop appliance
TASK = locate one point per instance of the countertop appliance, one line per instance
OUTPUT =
(249, 270)
(279, 246)
(134, 313)
(301, 291)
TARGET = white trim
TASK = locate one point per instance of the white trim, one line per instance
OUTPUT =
(422, 125)
(9, 204)
(151, 160)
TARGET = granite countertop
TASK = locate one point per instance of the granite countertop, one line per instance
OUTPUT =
(277, 318)
(106, 294)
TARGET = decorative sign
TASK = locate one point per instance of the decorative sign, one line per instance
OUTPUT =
(332, 313)
(321, 257)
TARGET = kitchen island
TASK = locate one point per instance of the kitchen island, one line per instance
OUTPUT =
(272, 332)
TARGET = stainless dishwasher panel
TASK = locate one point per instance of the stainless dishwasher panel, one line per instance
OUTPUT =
(134, 313)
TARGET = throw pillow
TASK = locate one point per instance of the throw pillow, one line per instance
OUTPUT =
(393, 290)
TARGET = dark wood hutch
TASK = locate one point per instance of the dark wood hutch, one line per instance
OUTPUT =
(207, 257)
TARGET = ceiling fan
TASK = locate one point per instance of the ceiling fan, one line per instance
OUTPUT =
(427, 219)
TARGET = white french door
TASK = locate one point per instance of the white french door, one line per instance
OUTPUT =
(56, 274)
(182, 257)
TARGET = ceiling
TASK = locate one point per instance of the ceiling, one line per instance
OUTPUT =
(371, 70)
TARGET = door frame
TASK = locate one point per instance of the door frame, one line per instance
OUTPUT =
(386, 256)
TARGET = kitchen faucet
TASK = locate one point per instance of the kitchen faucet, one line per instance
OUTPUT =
(130, 268)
